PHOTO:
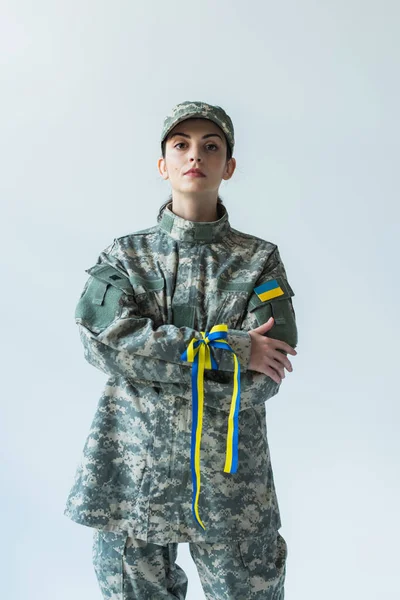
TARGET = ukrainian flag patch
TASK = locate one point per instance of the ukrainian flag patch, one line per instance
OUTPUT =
(268, 290)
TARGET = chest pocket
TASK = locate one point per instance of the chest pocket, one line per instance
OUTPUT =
(273, 298)
(229, 302)
(150, 297)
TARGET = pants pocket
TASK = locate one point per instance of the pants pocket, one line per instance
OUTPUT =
(281, 552)
(265, 561)
(108, 552)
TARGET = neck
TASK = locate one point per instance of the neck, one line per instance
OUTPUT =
(196, 207)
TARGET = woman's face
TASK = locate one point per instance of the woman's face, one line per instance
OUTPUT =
(200, 144)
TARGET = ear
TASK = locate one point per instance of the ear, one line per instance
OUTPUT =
(229, 169)
(162, 168)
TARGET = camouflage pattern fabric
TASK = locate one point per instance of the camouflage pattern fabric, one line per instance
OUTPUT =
(191, 109)
(129, 568)
(147, 296)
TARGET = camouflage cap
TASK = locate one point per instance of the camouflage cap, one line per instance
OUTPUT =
(188, 109)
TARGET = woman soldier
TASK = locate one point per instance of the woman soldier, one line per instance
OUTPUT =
(192, 320)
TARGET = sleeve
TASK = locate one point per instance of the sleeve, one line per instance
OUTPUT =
(257, 387)
(118, 341)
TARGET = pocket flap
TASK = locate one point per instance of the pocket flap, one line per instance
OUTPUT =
(142, 285)
(234, 286)
(270, 289)
(112, 276)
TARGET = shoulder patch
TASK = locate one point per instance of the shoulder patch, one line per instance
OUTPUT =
(274, 287)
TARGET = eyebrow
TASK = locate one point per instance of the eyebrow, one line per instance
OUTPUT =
(188, 136)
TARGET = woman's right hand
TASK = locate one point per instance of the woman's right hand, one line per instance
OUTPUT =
(266, 356)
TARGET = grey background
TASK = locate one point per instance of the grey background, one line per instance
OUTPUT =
(313, 91)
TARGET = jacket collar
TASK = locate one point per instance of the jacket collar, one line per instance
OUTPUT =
(184, 230)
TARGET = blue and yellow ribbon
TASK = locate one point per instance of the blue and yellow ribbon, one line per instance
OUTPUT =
(198, 352)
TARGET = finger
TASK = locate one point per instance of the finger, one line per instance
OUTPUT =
(277, 366)
(273, 374)
(283, 359)
(280, 369)
(283, 346)
(278, 356)
(262, 328)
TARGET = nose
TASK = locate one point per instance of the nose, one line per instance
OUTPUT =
(195, 152)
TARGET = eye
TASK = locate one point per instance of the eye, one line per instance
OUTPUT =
(207, 146)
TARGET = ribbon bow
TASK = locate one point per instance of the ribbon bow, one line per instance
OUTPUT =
(198, 352)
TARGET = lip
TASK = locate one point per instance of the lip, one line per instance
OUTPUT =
(195, 173)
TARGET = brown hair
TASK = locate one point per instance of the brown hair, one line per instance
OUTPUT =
(219, 200)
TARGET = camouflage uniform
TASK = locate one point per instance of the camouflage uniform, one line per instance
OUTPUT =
(149, 294)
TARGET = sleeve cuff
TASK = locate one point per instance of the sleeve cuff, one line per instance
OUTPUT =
(240, 342)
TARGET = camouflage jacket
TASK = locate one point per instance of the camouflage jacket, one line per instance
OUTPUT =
(149, 294)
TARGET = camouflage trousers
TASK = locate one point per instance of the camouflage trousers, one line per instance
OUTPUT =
(128, 568)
